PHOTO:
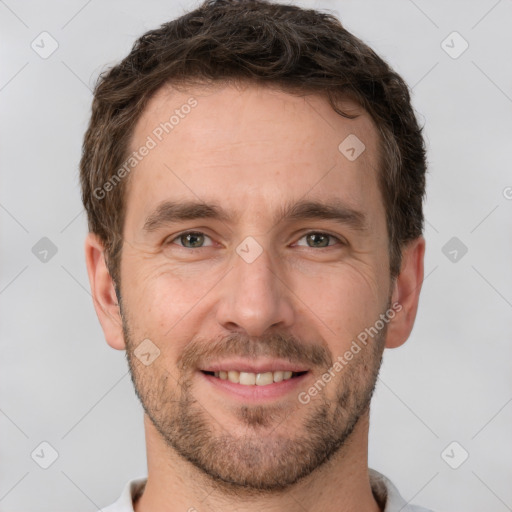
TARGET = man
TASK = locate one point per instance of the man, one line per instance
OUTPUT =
(253, 176)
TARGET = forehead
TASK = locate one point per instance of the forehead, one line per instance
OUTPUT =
(250, 145)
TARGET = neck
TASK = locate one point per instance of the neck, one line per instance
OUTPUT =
(342, 484)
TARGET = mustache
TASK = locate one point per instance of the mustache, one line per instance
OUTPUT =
(278, 345)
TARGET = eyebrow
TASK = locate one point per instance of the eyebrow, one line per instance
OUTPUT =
(169, 212)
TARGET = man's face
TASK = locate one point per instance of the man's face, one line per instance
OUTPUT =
(271, 285)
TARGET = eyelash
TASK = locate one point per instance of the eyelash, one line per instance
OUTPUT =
(341, 242)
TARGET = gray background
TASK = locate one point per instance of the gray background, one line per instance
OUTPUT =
(61, 383)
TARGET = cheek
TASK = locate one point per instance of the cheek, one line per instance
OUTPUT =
(162, 301)
(342, 301)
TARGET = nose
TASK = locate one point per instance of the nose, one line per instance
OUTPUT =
(254, 296)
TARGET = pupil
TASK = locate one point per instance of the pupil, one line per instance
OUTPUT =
(190, 238)
(314, 235)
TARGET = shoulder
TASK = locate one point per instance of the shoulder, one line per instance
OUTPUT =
(388, 496)
(125, 501)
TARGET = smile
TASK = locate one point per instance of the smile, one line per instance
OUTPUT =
(254, 379)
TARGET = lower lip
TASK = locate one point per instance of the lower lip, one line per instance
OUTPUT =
(257, 393)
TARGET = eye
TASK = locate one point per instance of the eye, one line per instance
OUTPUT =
(319, 239)
(190, 239)
(196, 240)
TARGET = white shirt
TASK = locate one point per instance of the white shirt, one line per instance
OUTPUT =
(386, 495)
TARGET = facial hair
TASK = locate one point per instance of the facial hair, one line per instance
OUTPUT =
(267, 458)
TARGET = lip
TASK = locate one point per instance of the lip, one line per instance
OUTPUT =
(261, 365)
(255, 393)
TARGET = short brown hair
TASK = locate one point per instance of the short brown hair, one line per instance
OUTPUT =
(302, 51)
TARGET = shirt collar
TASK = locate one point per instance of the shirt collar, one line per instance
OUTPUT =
(385, 493)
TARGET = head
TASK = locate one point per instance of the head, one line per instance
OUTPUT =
(253, 176)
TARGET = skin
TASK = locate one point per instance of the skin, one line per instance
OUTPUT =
(253, 149)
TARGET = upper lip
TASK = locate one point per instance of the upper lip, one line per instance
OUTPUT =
(253, 366)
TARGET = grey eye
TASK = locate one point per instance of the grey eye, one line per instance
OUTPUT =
(318, 239)
(191, 239)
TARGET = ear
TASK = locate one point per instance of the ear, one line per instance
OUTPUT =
(406, 293)
(103, 292)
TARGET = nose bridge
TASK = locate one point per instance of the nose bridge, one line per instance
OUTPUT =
(254, 297)
(255, 266)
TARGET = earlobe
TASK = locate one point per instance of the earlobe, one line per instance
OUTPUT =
(406, 292)
(104, 294)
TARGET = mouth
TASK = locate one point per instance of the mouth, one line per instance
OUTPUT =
(254, 381)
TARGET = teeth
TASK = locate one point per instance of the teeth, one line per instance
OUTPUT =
(253, 379)
(234, 376)
(278, 376)
(248, 379)
(262, 379)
